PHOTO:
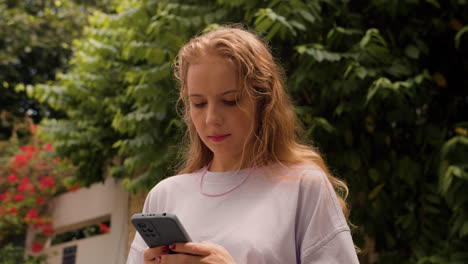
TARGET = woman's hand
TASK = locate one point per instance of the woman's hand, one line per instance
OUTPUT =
(205, 252)
(153, 255)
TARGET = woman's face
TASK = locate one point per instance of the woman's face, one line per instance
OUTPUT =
(221, 123)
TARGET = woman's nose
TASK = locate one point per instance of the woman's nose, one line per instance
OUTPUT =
(214, 116)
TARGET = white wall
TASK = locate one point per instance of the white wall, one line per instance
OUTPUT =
(77, 209)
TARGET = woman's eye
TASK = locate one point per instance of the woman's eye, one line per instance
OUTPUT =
(231, 103)
(199, 105)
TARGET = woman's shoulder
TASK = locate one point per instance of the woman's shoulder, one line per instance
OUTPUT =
(308, 177)
(175, 181)
(303, 171)
(303, 176)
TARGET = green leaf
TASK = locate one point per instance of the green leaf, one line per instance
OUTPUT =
(464, 230)
(373, 194)
(374, 174)
(459, 35)
(354, 160)
(307, 16)
(434, 3)
(412, 52)
(323, 123)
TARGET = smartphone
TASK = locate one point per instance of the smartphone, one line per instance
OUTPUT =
(160, 229)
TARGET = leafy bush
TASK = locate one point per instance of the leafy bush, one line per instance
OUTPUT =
(10, 254)
(28, 181)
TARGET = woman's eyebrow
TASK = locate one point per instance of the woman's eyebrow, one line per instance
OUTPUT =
(222, 93)
(228, 92)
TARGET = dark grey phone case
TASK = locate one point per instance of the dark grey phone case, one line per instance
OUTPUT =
(160, 229)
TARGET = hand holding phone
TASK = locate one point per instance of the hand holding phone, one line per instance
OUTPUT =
(160, 229)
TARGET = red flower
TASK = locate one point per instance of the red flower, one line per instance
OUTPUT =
(25, 186)
(40, 201)
(103, 228)
(48, 146)
(57, 160)
(48, 230)
(40, 165)
(74, 187)
(13, 211)
(33, 128)
(25, 181)
(29, 155)
(20, 160)
(47, 182)
(36, 247)
(28, 148)
(12, 178)
(6, 197)
(19, 197)
(32, 213)
(31, 216)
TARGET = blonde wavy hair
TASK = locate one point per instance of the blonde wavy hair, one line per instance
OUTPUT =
(276, 131)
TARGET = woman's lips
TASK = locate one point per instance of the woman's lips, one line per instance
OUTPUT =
(218, 138)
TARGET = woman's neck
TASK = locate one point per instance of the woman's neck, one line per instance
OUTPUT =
(220, 165)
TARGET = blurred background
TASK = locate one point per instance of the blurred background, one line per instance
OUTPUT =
(89, 123)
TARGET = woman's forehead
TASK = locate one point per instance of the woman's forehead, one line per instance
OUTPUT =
(213, 74)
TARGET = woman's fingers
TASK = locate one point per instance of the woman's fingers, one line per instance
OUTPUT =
(180, 259)
(191, 252)
(200, 249)
(151, 254)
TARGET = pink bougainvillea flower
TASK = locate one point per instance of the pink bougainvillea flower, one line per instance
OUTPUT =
(26, 186)
(74, 187)
(28, 148)
(12, 178)
(33, 128)
(21, 187)
(40, 201)
(32, 213)
(48, 146)
(6, 197)
(19, 197)
(40, 165)
(13, 211)
(31, 216)
(3, 196)
(48, 230)
(25, 181)
(103, 228)
(36, 247)
(20, 160)
(47, 182)
(57, 160)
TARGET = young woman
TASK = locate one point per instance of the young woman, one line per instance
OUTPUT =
(249, 191)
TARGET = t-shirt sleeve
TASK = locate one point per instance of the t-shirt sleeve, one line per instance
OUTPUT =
(322, 233)
(338, 250)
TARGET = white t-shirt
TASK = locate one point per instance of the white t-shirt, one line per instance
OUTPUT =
(292, 218)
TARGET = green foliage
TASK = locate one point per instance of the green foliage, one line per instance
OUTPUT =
(36, 43)
(11, 254)
(379, 86)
